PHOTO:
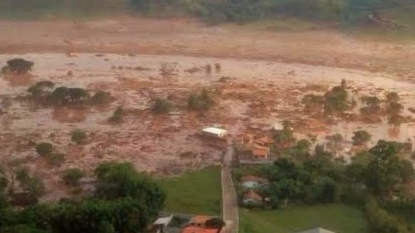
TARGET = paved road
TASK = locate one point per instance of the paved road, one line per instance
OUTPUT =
(229, 199)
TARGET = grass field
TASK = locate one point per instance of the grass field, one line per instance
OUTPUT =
(335, 217)
(195, 192)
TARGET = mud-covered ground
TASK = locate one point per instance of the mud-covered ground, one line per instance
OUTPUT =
(262, 79)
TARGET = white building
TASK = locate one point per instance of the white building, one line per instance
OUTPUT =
(214, 132)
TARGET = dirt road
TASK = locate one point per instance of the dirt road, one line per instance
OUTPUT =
(187, 37)
(229, 199)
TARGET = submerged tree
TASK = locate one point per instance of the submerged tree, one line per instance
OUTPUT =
(17, 66)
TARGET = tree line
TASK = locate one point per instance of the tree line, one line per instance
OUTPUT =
(217, 10)
(123, 201)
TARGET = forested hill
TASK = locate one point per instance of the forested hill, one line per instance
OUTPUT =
(212, 10)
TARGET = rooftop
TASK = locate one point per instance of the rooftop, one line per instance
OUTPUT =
(214, 130)
(199, 219)
(192, 229)
(251, 194)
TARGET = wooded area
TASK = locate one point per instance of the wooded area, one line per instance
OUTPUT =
(212, 11)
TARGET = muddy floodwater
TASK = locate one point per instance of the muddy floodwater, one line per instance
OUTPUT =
(168, 144)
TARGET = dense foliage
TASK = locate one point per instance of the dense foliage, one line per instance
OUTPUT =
(213, 10)
(43, 92)
(125, 201)
(378, 180)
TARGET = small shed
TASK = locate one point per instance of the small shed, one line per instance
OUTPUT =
(214, 132)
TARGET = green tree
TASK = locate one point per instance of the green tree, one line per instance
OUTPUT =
(118, 180)
(335, 100)
(384, 171)
(41, 90)
(44, 148)
(71, 176)
(18, 66)
(79, 136)
(361, 137)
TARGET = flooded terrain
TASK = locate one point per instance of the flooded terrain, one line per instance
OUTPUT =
(254, 86)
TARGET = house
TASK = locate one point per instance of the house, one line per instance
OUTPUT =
(264, 141)
(317, 230)
(260, 152)
(252, 198)
(192, 229)
(214, 132)
(170, 224)
(199, 220)
(161, 224)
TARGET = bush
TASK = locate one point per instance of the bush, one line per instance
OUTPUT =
(65, 95)
(40, 90)
(17, 66)
(361, 137)
(335, 100)
(79, 136)
(30, 184)
(117, 115)
(161, 106)
(44, 149)
(201, 102)
(72, 176)
(101, 97)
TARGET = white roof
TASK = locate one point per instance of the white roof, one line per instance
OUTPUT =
(214, 130)
(163, 221)
(278, 126)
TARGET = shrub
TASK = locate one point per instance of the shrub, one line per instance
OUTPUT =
(79, 136)
(44, 149)
(72, 176)
(30, 184)
(40, 90)
(65, 95)
(117, 115)
(201, 102)
(17, 66)
(361, 137)
(101, 97)
(161, 106)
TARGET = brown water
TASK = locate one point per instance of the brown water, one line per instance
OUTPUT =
(136, 80)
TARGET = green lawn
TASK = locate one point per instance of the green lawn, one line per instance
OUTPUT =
(195, 192)
(335, 217)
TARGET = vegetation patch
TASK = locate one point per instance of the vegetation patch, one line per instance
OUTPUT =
(194, 192)
(335, 217)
